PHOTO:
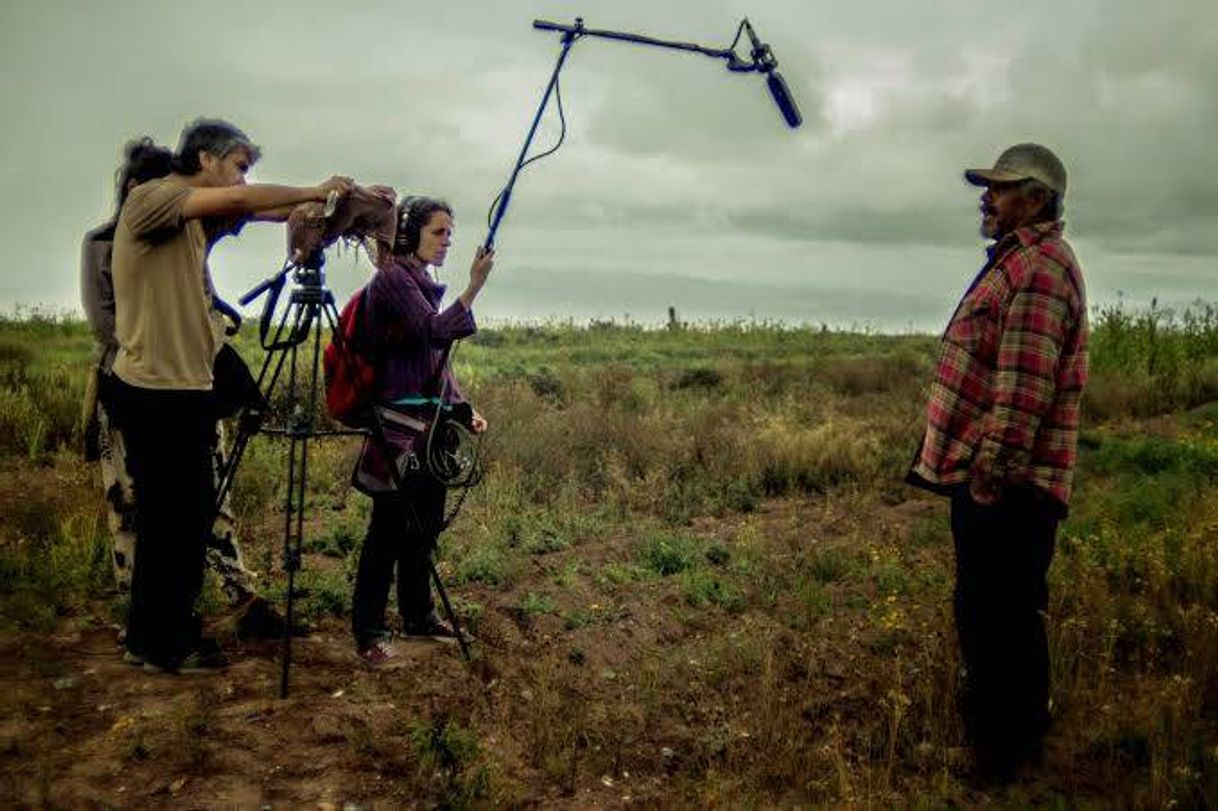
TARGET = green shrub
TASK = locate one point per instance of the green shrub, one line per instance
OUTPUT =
(534, 603)
(667, 554)
(702, 588)
(484, 564)
(833, 564)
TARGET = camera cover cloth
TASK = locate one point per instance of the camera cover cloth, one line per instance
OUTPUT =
(365, 215)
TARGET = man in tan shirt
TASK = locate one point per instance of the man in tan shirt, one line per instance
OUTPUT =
(144, 160)
(168, 334)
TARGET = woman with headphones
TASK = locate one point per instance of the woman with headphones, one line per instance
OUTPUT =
(409, 336)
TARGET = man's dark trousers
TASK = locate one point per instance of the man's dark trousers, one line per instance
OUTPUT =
(169, 436)
(1003, 553)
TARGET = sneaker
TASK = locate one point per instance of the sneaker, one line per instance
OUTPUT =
(430, 626)
(152, 666)
(133, 658)
(379, 654)
(200, 661)
(206, 658)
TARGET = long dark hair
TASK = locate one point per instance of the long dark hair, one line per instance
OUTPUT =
(143, 160)
(413, 214)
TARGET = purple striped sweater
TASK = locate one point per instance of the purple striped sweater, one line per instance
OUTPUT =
(410, 332)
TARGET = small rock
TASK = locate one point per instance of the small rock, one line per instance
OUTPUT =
(669, 760)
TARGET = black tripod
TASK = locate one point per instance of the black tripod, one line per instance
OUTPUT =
(310, 310)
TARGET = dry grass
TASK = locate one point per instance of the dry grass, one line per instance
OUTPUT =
(699, 581)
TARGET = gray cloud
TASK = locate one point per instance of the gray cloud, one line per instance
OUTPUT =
(663, 149)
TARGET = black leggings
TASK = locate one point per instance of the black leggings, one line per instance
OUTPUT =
(402, 533)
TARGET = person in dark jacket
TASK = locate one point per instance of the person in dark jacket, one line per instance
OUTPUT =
(410, 335)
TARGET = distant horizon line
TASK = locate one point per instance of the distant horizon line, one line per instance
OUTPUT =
(1171, 310)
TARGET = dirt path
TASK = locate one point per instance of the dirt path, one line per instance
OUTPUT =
(628, 696)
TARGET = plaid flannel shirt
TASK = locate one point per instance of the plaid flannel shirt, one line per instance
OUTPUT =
(1004, 405)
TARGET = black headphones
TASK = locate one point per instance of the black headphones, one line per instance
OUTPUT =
(407, 207)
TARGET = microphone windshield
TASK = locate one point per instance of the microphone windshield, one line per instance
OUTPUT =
(782, 97)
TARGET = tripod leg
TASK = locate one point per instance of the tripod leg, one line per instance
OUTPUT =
(292, 520)
(248, 423)
(301, 431)
(411, 515)
(448, 609)
(294, 509)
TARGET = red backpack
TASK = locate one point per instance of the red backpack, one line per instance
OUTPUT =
(349, 372)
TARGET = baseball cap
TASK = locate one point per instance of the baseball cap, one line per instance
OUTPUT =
(1022, 162)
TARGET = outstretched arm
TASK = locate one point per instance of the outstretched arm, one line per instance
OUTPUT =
(279, 214)
(256, 198)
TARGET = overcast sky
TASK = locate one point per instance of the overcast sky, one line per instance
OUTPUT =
(679, 184)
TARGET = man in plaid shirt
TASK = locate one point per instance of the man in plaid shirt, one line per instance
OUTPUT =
(1000, 440)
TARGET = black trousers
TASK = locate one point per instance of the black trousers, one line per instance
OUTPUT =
(1003, 553)
(169, 436)
(401, 534)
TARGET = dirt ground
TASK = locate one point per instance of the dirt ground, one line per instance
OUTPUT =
(645, 705)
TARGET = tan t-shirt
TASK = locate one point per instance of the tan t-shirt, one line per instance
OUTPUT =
(167, 330)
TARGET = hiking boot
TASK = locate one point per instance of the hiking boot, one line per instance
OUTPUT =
(1000, 765)
(258, 619)
(254, 617)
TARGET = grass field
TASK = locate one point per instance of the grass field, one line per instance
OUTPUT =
(694, 576)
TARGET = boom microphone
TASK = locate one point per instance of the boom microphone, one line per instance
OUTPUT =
(764, 61)
(782, 97)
